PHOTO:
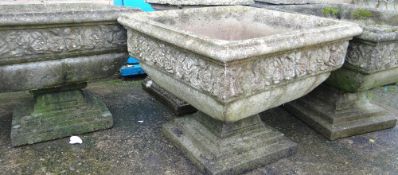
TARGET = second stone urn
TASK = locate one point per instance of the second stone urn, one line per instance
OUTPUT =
(232, 63)
(53, 51)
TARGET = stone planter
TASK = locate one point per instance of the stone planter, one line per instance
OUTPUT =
(53, 50)
(231, 64)
(341, 108)
(178, 106)
(180, 4)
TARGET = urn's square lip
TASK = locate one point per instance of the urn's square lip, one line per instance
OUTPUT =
(201, 2)
(56, 13)
(227, 51)
(378, 28)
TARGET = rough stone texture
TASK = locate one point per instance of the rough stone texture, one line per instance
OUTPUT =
(336, 114)
(281, 2)
(375, 49)
(178, 106)
(353, 81)
(40, 44)
(231, 64)
(131, 147)
(182, 4)
(8, 2)
(57, 114)
(371, 62)
(50, 47)
(216, 76)
(201, 2)
(228, 148)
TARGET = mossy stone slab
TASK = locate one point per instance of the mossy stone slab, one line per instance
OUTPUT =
(56, 115)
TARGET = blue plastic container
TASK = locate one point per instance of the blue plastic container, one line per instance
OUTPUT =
(133, 68)
(140, 4)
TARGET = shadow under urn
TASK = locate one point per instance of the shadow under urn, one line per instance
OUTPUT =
(53, 51)
(341, 108)
(232, 63)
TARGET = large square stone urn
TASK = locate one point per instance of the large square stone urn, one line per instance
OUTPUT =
(232, 63)
(53, 51)
(341, 108)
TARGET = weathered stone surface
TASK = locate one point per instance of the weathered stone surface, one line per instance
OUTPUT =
(282, 2)
(375, 49)
(48, 48)
(178, 106)
(337, 114)
(201, 2)
(372, 61)
(228, 76)
(349, 80)
(57, 113)
(46, 74)
(182, 4)
(49, 45)
(228, 148)
(231, 64)
(40, 44)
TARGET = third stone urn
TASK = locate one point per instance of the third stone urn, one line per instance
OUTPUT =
(341, 107)
(231, 63)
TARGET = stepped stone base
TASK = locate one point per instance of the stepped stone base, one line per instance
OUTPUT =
(336, 114)
(228, 148)
(57, 113)
(178, 106)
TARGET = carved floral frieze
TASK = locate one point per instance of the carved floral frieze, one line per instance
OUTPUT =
(36, 42)
(226, 81)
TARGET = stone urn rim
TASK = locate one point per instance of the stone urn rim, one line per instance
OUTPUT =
(371, 32)
(58, 13)
(201, 2)
(224, 51)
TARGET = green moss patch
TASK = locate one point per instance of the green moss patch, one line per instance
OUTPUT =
(361, 14)
(330, 11)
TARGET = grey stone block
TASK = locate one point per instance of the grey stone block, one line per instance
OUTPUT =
(338, 114)
(228, 148)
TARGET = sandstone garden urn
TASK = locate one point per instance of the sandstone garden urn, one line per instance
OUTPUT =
(341, 108)
(53, 51)
(232, 63)
(178, 106)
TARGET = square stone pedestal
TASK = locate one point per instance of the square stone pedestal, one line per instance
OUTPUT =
(337, 114)
(57, 113)
(228, 148)
(178, 106)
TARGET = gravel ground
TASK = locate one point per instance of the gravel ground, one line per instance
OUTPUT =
(131, 147)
